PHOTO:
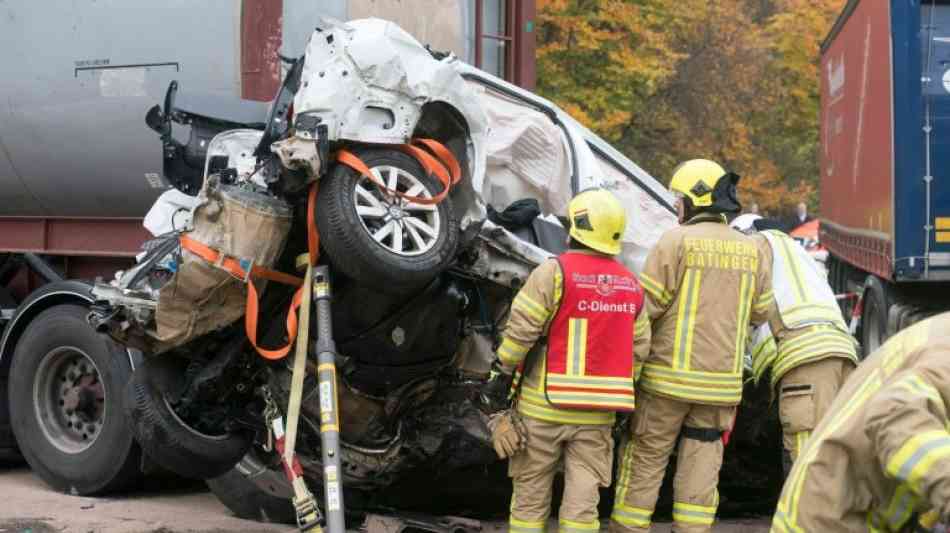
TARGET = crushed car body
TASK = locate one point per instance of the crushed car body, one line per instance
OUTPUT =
(355, 165)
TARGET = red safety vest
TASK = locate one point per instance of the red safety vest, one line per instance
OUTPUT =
(589, 361)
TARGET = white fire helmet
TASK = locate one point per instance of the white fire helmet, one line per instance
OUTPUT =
(744, 223)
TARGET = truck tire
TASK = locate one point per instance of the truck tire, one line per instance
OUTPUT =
(166, 438)
(381, 242)
(246, 499)
(877, 301)
(65, 384)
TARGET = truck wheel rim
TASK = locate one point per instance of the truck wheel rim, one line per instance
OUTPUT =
(401, 227)
(69, 399)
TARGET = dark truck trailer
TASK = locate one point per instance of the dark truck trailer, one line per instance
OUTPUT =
(885, 163)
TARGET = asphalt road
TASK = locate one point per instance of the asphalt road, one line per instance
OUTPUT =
(29, 506)
(26, 504)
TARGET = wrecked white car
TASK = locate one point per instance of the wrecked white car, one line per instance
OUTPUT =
(466, 177)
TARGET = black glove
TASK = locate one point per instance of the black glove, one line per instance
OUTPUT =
(495, 393)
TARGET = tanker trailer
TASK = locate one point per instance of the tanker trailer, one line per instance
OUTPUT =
(79, 169)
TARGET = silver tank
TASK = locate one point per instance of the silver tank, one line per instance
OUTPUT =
(78, 77)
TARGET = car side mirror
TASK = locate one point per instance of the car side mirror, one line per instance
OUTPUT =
(160, 120)
(156, 120)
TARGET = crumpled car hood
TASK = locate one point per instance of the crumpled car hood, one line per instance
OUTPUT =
(369, 81)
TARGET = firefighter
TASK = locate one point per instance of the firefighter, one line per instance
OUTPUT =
(704, 284)
(571, 335)
(806, 343)
(880, 460)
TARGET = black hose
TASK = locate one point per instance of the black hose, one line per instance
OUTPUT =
(41, 267)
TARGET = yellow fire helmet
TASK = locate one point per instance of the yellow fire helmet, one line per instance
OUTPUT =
(696, 179)
(597, 220)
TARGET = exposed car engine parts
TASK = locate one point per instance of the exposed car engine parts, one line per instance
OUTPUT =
(374, 164)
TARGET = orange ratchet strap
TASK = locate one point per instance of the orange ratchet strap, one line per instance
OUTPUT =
(440, 163)
(239, 270)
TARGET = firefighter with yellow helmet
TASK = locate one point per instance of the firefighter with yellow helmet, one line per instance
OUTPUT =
(570, 339)
(704, 283)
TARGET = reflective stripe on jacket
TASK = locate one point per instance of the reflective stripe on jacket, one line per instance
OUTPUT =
(818, 335)
(531, 313)
(802, 293)
(882, 452)
(705, 283)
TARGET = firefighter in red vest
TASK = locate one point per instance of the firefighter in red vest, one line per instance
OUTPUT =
(573, 328)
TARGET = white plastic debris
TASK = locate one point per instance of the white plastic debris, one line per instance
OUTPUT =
(170, 212)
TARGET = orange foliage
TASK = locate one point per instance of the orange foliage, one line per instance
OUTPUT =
(669, 80)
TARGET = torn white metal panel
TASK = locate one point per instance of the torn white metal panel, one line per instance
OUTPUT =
(238, 146)
(504, 258)
(170, 212)
(369, 80)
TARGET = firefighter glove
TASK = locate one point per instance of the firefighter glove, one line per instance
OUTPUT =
(508, 433)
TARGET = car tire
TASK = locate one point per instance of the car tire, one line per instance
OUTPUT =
(168, 440)
(243, 497)
(877, 301)
(353, 216)
(61, 362)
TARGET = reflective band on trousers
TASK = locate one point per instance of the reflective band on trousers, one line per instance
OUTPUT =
(632, 516)
(524, 526)
(572, 526)
(689, 513)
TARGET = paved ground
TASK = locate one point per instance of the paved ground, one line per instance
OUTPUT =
(29, 506)
(26, 504)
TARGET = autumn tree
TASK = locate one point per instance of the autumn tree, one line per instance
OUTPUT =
(669, 80)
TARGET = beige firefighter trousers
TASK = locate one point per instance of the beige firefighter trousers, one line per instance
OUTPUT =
(804, 395)
(587, 455)
(655, 426)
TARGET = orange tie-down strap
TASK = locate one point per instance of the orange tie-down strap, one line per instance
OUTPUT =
(239, 270)
(440, 163)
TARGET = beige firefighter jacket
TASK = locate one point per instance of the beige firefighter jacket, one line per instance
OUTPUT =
(705, 283)
(781, 348)
(882, 452)
(531, 313)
